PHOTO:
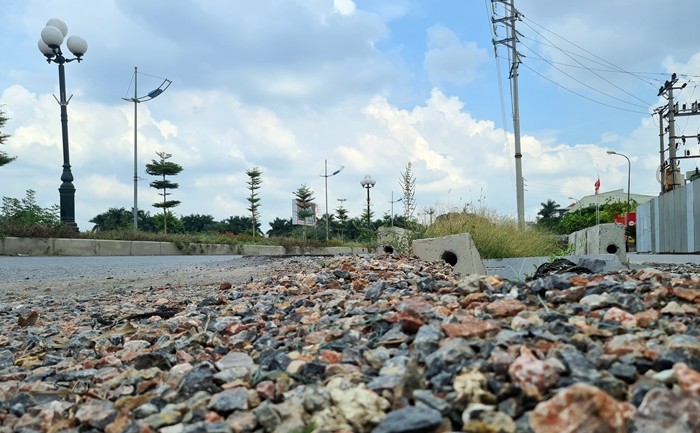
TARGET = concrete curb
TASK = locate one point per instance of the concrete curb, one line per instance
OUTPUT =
(521, 268)
(12, 246)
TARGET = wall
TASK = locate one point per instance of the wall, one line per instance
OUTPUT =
(670, 223)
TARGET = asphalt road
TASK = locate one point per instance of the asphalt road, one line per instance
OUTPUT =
(18, 273)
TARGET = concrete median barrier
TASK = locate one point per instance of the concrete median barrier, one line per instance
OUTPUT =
(458, 250)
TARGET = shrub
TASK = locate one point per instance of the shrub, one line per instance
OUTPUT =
(495, 236)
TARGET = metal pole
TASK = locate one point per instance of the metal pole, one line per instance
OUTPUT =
(136, 175)
(392, 209)
(66, 190)
(368, 218)
(661, 151)
(629, 176)
(672, 139)
(519, 183)
(325, 177)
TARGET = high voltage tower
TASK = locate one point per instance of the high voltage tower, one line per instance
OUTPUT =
(511, 15)
(669, 168)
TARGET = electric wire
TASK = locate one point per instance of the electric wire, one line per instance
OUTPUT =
(506, 142)
(582, 49)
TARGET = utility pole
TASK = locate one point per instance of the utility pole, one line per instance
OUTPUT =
(671, 166)
(510, 41)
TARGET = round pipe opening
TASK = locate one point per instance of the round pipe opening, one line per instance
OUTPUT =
(611, 249)
(449, 257)
(388, 249)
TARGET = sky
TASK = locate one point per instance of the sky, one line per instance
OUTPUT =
(298, 87)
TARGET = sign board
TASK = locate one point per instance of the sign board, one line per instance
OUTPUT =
(631, 219)
(296, 220)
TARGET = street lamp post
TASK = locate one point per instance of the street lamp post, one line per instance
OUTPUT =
(431, 211)
(50, 46)
(392, 207)
(136, 99)
(629, 171)
(325, 178)
(368, 183)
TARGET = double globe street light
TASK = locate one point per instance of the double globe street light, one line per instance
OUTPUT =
(52, 37)
(368, 183)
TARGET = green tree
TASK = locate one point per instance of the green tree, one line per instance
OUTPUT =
(113, 219)
(280, 228)
(164, 168)
(304, 199)
(549, 209)
(237, 224)
(196, 223)
(254, 182)
(408, 186)
(4, 158)
(342, 219)
(168, 221)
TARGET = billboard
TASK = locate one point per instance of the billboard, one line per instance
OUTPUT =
(296, 220)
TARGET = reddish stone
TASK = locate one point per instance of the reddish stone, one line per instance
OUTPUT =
(505, 307)
(471, 328)
(266, 390)
(225, 285)
(532, 375)
(472, 298)
(329, 356)
(669, 411)
(212, 416)
(644, 318)
(688, 379)
(410, 324)
(500, 360)
(183, 357)
(620, 316)
(624, 344)
(581, 408)
(686, 293)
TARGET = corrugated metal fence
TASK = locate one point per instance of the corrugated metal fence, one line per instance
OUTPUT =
(670, 223)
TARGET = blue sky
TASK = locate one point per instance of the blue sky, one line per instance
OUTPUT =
(369, 85)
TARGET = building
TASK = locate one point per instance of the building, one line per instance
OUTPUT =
(618, 195)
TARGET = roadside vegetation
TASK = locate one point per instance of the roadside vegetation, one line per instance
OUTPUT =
(494, 235)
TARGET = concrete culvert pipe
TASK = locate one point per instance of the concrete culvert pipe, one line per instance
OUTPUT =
(388, 249)
(449, 257)
(611, 249)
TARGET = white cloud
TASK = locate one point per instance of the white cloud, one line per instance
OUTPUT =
(344, 7)
(449, 59)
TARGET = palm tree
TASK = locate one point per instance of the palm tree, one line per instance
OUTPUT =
(548, 209)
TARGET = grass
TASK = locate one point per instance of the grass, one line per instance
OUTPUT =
(494, 235)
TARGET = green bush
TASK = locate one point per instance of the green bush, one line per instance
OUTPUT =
(25, 218)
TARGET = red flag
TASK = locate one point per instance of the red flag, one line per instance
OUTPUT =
(597, 185)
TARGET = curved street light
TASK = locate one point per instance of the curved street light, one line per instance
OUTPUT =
(392, 207)
(326, 176)
(629, 170)
(136, 100)
(50, 46)
(368, 183)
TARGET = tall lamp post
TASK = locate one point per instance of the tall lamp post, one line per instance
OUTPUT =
(326, 176)
(368, 183)
(50, 46)
(629, 171)
(392, 207)
(136, 99)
